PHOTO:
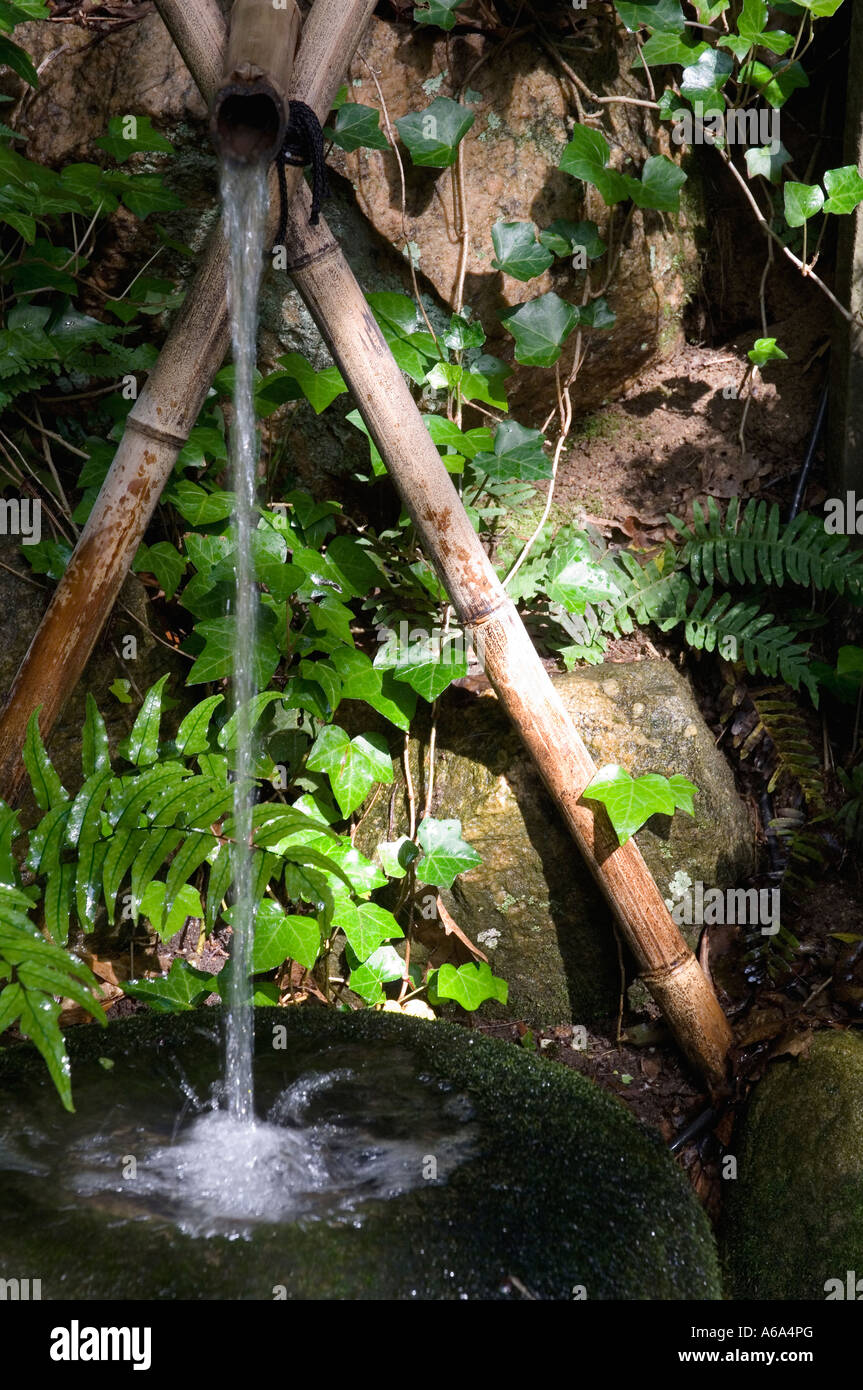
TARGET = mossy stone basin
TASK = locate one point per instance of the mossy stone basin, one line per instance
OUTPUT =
(393, 1158)
(793, 1223)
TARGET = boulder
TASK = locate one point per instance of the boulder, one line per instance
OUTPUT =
(478, 1171)
(532, 905)
(793, 1223)
(524, 111)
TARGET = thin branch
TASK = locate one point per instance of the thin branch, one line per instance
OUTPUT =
(768, 231)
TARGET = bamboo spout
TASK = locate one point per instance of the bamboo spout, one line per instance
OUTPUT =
(249, 114)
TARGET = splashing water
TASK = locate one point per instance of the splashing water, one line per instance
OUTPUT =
(245, 202)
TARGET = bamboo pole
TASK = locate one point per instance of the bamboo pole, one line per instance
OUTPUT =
(249, 114)
(158, 425)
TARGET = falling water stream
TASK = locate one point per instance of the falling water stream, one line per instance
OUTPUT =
(244, 200)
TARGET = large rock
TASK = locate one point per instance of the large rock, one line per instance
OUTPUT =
(794, 1216)
(547, 1187)
(523, 120)
(532, 905)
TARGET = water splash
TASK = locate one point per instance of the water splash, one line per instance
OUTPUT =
(245, 202)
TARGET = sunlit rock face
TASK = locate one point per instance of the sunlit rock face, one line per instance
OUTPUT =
(532, 905)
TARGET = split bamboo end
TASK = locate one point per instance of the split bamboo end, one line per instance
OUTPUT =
(249, 115)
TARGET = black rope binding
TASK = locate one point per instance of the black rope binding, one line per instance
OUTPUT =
(303, 144)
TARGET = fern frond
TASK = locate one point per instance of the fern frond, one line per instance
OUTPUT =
(797, 755)
(740, 631)
(768, 957)
(653, 593)
(754, 545)
(807, 850)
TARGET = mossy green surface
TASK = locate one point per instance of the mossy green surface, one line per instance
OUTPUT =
(794, 1216)
(562, 1188)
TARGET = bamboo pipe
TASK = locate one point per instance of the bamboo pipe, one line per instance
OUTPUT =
(249, 113)
(158, 425)
(338, 306)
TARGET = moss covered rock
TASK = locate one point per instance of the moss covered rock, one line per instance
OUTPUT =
(559, 1193)
(794, 1217)
(532, 905)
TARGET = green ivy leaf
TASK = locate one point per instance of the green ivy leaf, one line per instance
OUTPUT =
(663, 16)
(185, 904)
(433, 136)
(666, 47)
(199, 507)
(596, 314)
(396, 856)
(775, 85)
(365, 925)
(177, 992)
(216, 660)
(356, 127)
(586, 157)
(279, 937)
(517, 251)
(845, 188)
(659, 186)
(14, 57)
(469, 985)
(367, 977)
(145, 139)
(164, 561)
(518, 454)
(428, 664)
(120, 690)
(352, 765)
(630, 802)
(439, 12)
(574, 579)
(362, 681)
(462, 334)
(802, 201)
(20, 12)
(704, 78)
(445, 853)
(297, 380)
(564, 238)
(397, 310)
(540, 328)
(767, 162)
(820, 9)
(142, 193)
(708, 10)
(484, 381)
(765, 350)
